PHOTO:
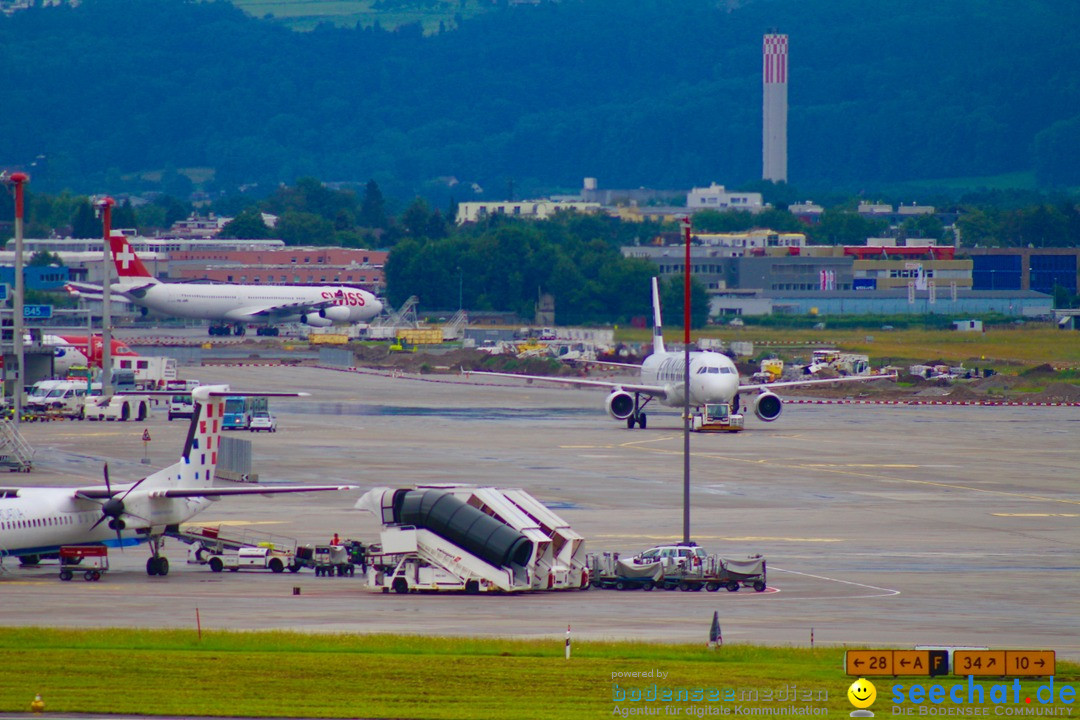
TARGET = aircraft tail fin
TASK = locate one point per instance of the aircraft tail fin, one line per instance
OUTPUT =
(658, 330)
(128, 265)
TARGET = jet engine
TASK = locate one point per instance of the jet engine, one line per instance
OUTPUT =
(335, 313)
(620, 404)
(767, 406)
(314, 320)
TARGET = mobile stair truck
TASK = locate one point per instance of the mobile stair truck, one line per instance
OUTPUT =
(468, 539)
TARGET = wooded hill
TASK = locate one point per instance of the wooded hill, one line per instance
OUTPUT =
(639, 93)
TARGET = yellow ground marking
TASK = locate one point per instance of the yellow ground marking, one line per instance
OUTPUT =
(1035, 514)
(237, 523)
(843, 471)
(746, 538)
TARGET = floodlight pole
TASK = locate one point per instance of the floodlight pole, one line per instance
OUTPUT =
(686, 383)
(105, 206)
(18, 179)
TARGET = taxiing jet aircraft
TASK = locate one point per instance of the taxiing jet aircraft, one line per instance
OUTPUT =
(714, 379)
(35, 521)
(319, 306)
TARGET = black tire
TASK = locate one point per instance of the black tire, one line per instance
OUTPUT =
(712, 587)
(25, 560)
(620, 585)
(670, 586)
(630, 423)
(648, 586)
(88, 576)
(732, 586)
(95, 575)
(472, 587)
(171, 416)
(216, 565)
(759, 586)
(685, 586)
(642, 421)
(65, 575)
(125, 413)
(152, 566)
(294, 568)
(142, 412)
(400, 586)
(163, 566)
(276, 565)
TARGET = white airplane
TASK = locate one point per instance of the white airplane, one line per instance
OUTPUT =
(319, 306)
(36, 521)
(714, 379)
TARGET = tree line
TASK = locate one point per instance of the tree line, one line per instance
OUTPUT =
(538, 96)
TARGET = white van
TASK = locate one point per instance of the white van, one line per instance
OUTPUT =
(64, 398)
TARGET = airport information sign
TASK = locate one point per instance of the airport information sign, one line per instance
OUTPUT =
(1001, 663)
(37, 312)
(984, 663)
(896, 662)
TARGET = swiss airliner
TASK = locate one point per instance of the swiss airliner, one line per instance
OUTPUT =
(233, 304)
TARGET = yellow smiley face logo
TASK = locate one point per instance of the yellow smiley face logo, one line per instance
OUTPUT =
(862, 693)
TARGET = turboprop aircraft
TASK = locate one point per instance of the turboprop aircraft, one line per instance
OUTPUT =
(35, 521)
(714, 380)
(238, 305)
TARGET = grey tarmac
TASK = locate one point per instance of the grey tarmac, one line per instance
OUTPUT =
(882, 525)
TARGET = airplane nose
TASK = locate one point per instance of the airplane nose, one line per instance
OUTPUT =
(376, 305)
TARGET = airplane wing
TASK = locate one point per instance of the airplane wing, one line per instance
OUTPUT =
(655, 390)
(254, 489)
(280, 310)
(96, 292)
(822, 381)
(101, 493)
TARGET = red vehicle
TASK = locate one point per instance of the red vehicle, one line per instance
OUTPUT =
(92, 561)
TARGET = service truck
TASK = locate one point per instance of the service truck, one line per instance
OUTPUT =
(150, 372)
(251, 558)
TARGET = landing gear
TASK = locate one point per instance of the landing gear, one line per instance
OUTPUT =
(157, 564)
(638, 417)
(267, 331)
(239, 329)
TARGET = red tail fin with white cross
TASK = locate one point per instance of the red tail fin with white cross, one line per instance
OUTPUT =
(127, 263)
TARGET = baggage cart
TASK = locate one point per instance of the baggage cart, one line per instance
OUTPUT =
(91, 560)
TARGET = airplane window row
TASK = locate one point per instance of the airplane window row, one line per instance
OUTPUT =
(36, 522)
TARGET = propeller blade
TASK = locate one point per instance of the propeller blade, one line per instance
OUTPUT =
(133, 486)
(107, 485)
(100, 520)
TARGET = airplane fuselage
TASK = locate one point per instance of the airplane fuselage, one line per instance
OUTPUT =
(36, 521)
(235, 303)
(713, 377)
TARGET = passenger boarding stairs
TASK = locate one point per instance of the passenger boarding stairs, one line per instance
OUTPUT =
(15, 454)
(436, 550)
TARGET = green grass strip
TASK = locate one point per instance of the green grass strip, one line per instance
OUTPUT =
(170, 672)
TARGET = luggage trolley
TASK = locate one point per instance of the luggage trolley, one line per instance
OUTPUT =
(92, 561)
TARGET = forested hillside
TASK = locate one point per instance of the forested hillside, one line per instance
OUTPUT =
(638, 92)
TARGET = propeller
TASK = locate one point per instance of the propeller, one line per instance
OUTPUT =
(113, 509)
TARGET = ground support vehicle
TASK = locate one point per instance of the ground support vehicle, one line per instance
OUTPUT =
(717, 417)
(222, 542)
(416, 559)
(117, 407)
(91, 560)
(327, 560)
(607, 571)
(459, 537)
(744, 572)
(251, 558)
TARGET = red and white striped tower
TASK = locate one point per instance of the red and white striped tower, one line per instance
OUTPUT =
(774, 108)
